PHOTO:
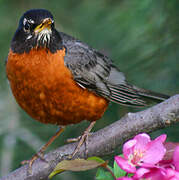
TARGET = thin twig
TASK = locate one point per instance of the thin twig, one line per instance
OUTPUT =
(108, 169)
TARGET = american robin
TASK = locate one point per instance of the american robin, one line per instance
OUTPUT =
(60, 80)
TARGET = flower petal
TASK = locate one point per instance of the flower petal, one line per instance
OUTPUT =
(142, 140)
(152, 174)
(128, 148)
(171, 174)
(140, 172)
(176, 158)
(154, 153)
(124, 164)
(162, 138)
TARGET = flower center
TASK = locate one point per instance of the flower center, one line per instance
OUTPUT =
(136, 157)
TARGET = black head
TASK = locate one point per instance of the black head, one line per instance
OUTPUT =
(36, 30)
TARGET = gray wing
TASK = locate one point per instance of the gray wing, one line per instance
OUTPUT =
(96, 72)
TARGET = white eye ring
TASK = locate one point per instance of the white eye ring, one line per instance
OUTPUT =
(27, 24)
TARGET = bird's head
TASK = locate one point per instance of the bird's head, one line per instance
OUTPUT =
(36, 30)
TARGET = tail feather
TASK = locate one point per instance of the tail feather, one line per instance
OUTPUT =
(156, 97)
(129, 95)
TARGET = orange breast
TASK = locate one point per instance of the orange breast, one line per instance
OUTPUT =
(45, 89)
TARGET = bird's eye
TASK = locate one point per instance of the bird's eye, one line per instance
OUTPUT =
(27, 26)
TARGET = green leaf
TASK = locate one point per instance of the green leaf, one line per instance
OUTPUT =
(103, 175)
(97, 159)
(77, 165)
(55, 172)
(130, 175)
(118, 172)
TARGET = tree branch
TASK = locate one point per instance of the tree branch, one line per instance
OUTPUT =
(106, 140)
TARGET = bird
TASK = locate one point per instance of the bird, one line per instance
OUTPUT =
(58, 79)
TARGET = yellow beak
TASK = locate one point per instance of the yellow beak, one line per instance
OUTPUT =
(46, 24)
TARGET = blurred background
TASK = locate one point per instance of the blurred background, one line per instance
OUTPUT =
(142, 38)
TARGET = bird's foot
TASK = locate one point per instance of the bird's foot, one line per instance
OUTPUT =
(40, 154)
(82, 139)
(30, 162)
(71, 140)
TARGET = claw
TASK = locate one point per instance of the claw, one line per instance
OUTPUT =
(71, 140)
(82, 139)
(30, 162)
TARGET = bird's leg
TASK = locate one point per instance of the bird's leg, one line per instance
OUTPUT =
(83, 138)
(40, 153)
(71, 140)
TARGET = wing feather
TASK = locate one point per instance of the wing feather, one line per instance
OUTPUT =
(96, 72)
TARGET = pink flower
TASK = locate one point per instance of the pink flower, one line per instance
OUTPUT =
(141, 151)
(176, 158)
(165, 169)
(171, 174)
(156, 173)
(150, 174)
